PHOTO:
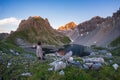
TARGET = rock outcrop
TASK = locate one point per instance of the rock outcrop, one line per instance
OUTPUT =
(68, 26)
(90, 25)
(3, 36)
(97, 31)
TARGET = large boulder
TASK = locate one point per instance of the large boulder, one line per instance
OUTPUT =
(97, 66)
(93, 60)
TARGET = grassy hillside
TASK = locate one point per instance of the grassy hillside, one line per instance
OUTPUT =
(6, 47)
(36, 29)
(44, 37)
(116, 42)
(116, 45)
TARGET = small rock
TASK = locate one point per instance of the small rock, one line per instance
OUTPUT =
(70, 59)
(3, 53)
(61, 72)
(103, 51)
(17, 53)
(12, 51)
(50, 69)
(115, 66)
(9, 64)
(85, 66)
(26, 74)
(51, 54)
(76, 63)
(89, 64)
(94, 60)
(59, 65)
(108, 55)
(28, 56)
(110, 61)
(96, 66)
(92, 54)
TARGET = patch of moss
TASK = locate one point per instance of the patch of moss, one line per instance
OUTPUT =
(115, 42)
(98, 47)
(116, 52)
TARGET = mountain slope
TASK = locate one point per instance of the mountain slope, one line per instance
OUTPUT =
(100, 33)
(36, 29)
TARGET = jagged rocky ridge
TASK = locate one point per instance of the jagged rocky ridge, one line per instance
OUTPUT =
(3, 36)
(36, 29)
(97, 31)
(68, 26)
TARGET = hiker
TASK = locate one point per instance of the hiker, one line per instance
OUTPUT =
(39, 52)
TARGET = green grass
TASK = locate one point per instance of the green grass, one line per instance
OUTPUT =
(5, 47)
(12, 38)
(33, 36)
(98, 47)
(116, 42)
(116, 52)
(39, 71)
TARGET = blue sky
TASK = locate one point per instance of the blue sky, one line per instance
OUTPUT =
(58, 12)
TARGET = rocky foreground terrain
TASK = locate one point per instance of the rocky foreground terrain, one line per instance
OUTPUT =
(17, 64)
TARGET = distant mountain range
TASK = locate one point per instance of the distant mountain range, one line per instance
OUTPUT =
(36, 29)
(96, 31)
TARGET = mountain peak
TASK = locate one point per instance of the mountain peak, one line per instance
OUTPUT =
(36, 29)
(68, 26)
(35, 21)
(36, 17)
(96, 17)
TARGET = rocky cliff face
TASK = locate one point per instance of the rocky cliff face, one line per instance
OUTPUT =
(35, 22)
(3, 36)
(90, 25)
(84, 27)
(98, 31)
(68, 26)
(36, 29)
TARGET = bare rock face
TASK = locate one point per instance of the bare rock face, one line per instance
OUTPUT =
(68, 26)
(3, 36)
(90, 25)
(35, 22)
(98, 31)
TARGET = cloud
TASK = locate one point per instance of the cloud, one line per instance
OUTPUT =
(9, 21)
(4, 31)
(8, 24)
